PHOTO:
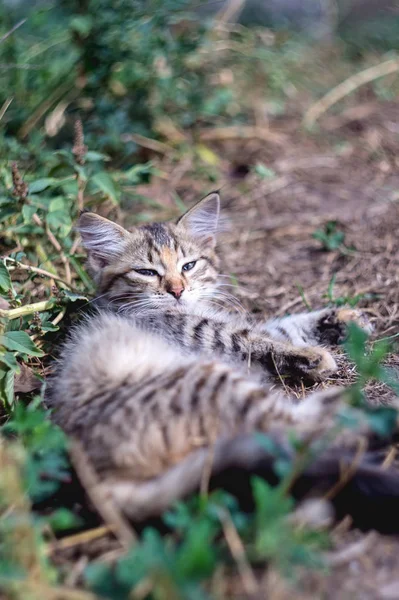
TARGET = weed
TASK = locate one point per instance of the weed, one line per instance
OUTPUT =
(330, 237)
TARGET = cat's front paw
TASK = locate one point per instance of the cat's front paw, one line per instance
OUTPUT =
(354, 315)
(314, 363)
(333, 325)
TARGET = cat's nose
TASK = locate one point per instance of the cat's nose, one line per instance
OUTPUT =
(176, 291)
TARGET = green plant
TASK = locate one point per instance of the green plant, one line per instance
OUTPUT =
(330, 237)
(369, 366)
(342, 300)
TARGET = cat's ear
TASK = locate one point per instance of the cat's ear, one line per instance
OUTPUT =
(103, 239)
(201, 221)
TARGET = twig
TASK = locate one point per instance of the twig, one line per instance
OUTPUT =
(38, 270)
(390, 457)
(337, 559)
(17, 26)
(53, 240)
(105, 507)
(146, 142)
(21, 590)
(230, 12)
(347, 87)
(79, 538)
(207, 470)
(79, 151)
(349, 471)
(75, 246)
(246, 132)
(41, 110)
(28, 309)
(238, 552)
(5, 106)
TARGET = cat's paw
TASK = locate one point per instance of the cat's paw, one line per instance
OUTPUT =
(333, 324)
(354, 315)
(313, 363)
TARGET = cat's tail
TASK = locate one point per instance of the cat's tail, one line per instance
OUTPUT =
(363, 490)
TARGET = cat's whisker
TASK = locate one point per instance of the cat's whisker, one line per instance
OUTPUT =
(230, 300)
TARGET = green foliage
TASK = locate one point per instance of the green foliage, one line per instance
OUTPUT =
(136, 67)
(276, 539)
(339, 301)
(46, 464)
(369, 367)
(264, 172)
(330, 237)
(173, 569)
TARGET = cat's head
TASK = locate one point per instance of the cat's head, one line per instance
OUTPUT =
(154, 266)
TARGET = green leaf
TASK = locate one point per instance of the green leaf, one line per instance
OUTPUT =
(95, 156)
(10, 361)
(8, 211)
(7, 386)
(27, 212)
(42, 184)
(19, 341)
(356, 344)
(5, 279)
(383, 420)
(82, 24)
(264, 172)
(104, 182)
(62, 519)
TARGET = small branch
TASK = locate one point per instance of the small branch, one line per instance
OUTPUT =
(5, 106)
(17, 26)
(28, 309)
(146, 142)
(38, 270)
(38, 589)
(237, 550)
(78, 539)
(347, 87)
(54, 242)
(104, 505)
(352, 552)
(241, 132)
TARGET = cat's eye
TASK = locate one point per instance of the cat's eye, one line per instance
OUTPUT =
(146, 272)
(188, 266)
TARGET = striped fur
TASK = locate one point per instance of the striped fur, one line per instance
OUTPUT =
(141, 407)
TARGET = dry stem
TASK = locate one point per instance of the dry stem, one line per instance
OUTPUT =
(347, 87)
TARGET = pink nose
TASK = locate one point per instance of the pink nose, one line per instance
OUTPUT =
(176, 291)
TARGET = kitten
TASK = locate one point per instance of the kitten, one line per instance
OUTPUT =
(156, 384)
(165, 275)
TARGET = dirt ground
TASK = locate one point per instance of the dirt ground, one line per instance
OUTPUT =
(347, 172)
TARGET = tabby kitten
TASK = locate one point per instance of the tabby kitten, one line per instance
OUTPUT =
(160, 382)
(165, 276)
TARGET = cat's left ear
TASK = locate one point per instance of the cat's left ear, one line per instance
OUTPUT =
(201, 221)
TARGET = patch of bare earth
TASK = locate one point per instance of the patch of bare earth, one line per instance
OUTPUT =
(349, 175)
(348, 172)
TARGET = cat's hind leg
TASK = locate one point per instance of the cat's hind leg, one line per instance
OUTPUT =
(326, 327)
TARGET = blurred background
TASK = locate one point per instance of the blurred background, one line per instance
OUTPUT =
(164, 68)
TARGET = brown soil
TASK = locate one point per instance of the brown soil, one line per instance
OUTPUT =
(350, 175)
